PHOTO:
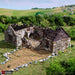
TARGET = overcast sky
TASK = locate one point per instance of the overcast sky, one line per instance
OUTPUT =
(28, 4)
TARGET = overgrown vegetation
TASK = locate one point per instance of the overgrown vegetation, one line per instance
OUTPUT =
(38, 20)
(62, 67)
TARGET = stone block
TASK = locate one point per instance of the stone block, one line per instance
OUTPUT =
(14, 50)
(19, 67)
(22, 66)
(41, 60)
(35, 62)
(5, 54)
(44, 59)
(8, 53)
(11, 51)
(49, 56)
(16, 69)
(30, 62)
(12, 70)
(6, 60)
(3, 63)
(25, 65)
(53, 54)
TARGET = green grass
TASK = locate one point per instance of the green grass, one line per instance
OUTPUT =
(4, 47)
(9, 12)
(32, 12)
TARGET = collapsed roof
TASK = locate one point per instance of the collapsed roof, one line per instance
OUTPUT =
(48, 33)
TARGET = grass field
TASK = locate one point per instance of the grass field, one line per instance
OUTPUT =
(32, 12)
(9, 12)
(4, 47)
(39, 68)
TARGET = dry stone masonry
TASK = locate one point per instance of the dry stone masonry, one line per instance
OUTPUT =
(38, 37)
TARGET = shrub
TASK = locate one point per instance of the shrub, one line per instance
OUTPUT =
(55, 69)
(64, 67)
(3, 27)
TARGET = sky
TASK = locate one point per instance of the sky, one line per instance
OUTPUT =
(28, 4)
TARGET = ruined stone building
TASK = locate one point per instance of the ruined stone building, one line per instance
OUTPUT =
(38, 37)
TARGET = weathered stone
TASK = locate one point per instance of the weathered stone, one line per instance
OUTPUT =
(25, 65)
(5, 54)
(11, 51)
(3, 63)
(41, 60)
(53, 54)
(30, 62)
(16, 69)
(49, 56)
(19, 67)
(35, 62)
(12, 70)
(22, 66)
(8, 53)
(44, 59)
(14, 50)
(6, 60)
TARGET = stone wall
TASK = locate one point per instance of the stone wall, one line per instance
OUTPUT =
(21, 33)
(61, 44)
(10, 35)
(46, 44)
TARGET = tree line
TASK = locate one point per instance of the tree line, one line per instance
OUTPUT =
(38, 20)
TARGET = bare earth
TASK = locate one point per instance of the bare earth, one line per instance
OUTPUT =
(24, 56)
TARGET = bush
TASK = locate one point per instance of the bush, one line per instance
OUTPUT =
(45, 23)
(3, 27)
(55, 69)
(62, 67)
(72, 33)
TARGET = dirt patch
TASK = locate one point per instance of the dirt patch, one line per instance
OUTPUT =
(24, 56)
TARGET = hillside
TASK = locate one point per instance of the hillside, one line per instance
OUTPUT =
(9, 12)
(68, 10)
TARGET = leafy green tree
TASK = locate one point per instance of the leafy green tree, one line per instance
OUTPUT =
(39, 18)
(59, 21)
(45, 23)
(51, 19)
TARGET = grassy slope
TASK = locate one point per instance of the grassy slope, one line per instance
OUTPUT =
(4, 47)
(39, 68)
(9, 12)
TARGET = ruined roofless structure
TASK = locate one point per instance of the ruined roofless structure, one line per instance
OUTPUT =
(38, 37)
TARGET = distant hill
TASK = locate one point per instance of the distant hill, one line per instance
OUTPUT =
(33, 11)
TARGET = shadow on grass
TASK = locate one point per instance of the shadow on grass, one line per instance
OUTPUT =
(4, 44)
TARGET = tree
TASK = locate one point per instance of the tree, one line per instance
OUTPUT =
(39, 18)
(59, 21)
(45, 23)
